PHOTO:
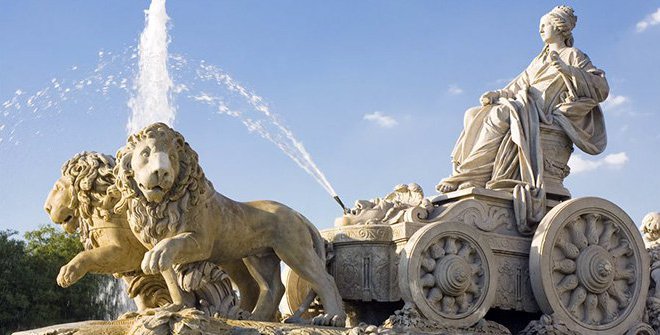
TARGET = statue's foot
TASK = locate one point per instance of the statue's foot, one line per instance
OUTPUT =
(445, 187)
(468, 184)
(329, 320)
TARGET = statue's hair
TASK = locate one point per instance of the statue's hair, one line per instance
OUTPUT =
(153, 220)
(91, 177)
(563, 18)
(651, 226)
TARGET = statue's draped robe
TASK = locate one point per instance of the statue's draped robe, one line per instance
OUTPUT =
(500, 147)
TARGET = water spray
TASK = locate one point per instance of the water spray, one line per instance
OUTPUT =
(346, 210)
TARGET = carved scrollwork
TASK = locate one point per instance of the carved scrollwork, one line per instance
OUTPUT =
(484, 216)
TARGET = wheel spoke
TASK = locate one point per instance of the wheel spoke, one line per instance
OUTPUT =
(569, 283)
(592, 228)
(628, 274)
(577, 234)
(568, 248)
(606, 237)
(565, 266)
(428, 264)
(622, 249)
(591, 305)
(619, 296)
(576, 299)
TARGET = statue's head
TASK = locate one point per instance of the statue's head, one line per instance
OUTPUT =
(651, 226)
(82, 190)
(558, 24)
(156, 165)
(159, 178)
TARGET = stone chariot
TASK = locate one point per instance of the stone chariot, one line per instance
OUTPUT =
(455, 256)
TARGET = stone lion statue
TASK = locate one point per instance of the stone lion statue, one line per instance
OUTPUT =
(81, 201)
(175, 211)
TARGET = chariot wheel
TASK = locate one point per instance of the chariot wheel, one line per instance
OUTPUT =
(589, 267)
(295, 293)
(448, 271)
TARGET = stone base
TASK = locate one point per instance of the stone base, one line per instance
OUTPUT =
(212, 326)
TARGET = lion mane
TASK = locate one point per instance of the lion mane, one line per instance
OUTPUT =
(91, 176)
(153, 220)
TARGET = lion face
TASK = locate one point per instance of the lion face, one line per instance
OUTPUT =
(155, 167)
(59, 205)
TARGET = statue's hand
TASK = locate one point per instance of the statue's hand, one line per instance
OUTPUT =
(69, 274)
(158, 259)
(489, 98)
(557, 63)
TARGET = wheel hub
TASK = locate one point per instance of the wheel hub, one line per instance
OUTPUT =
(452, 275)
(595, 269)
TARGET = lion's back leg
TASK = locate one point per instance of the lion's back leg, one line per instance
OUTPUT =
(247, 286)
(309, 266)
(266, 271)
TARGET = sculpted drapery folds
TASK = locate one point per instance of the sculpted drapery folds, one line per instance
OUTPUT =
(500, 146)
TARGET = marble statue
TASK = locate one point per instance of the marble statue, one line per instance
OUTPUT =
(651, 230)
(499, 147)
(503, 237)
(81, 201)
(405, 202)
(175, 211)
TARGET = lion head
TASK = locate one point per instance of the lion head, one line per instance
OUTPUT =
(81, 192)
(160, 179)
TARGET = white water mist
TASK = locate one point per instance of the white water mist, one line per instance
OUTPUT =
(264, 122)
(153, 101)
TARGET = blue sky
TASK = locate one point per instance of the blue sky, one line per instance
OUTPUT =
(376, 91)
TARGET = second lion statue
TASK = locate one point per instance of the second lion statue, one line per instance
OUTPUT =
(177, 214)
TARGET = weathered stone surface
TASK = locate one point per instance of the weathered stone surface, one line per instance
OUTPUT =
(588, 267)
(175, 211)
(405, 204)
(409, 321)
(520, 138)
(651, 231)
(82, 200)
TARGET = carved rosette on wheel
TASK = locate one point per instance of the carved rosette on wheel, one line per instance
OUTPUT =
(588, 267)
(447, 272)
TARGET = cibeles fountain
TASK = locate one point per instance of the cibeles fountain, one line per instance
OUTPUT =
(501, 248)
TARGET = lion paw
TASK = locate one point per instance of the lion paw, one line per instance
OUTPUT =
(69, 274)
(329, 320)
(157, 260)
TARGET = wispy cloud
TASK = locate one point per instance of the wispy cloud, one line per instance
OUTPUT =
(382, 120)
(454, 90)
(650, 20)
(580, 164)
(614, 101)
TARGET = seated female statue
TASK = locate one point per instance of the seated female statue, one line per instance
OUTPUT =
(499, 147)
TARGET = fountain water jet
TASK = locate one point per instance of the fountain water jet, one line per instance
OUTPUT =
(153, 102)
